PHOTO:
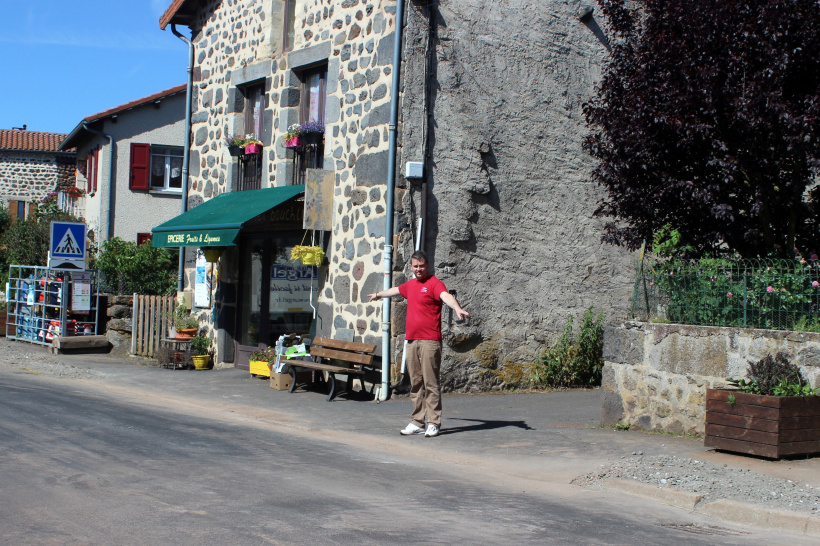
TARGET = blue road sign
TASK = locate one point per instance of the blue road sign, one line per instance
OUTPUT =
(68, 240)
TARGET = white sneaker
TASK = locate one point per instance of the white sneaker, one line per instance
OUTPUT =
(432, 430)
(412, 428)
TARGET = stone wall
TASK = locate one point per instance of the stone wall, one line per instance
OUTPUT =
(656, 375)
(118, 324)
(30, 176)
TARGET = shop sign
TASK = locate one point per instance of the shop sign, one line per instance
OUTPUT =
(290, 287)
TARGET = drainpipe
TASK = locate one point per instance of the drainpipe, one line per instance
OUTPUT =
(110, 227)
(384, 391)
(186, 158)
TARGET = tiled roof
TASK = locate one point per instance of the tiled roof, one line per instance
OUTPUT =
(12, 139)
(179, 12)
(135, 103)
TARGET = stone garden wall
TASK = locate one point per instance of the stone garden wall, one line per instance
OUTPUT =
(656, 375)
(118, 323)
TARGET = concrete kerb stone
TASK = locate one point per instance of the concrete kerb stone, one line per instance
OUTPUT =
(672, 497)
(729, 510)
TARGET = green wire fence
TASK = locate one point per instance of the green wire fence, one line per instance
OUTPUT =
(772, 294)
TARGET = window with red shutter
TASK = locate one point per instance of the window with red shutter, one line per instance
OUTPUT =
(140, 166)
(143, 238)
(92, 170)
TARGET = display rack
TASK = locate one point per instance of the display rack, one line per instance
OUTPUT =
(46, 303)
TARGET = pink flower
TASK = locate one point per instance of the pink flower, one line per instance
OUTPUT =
(769, 289)
(813, 257)
(815, 284)
(729, 294)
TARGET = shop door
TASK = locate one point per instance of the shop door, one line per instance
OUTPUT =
(276, 293)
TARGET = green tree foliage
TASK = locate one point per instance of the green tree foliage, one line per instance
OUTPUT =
(143, 269)
(706, 120)
(25, 242)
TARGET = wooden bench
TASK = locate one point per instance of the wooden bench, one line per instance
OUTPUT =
(347, 357)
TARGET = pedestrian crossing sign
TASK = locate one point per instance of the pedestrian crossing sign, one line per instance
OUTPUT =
(68, 244)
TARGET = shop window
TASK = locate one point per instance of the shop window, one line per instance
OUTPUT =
(156, 167)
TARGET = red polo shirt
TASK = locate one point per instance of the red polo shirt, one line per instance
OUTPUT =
(423, 308)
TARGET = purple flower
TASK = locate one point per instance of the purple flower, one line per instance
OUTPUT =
(729, 294)
(769, 289)
(813, 257)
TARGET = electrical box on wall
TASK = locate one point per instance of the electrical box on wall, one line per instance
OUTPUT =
(414, 169)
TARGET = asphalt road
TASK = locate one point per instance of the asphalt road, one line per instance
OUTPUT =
(84, 465)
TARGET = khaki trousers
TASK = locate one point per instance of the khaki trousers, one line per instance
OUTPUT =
(424, 365)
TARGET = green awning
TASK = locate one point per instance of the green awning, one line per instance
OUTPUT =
(217, 221)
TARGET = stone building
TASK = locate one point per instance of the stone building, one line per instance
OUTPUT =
(130, 165)
(31, 167)
(489, 130)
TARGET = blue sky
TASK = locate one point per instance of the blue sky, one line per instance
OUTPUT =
(64, 60)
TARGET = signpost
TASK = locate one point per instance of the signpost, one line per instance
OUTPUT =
(67, 249)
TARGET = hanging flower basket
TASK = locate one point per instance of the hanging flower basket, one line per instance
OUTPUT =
(309, 255)
(253, 148)
(235, 151)
(293, 142)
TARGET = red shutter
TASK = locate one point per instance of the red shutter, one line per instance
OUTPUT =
(140, 165)
(143, 238)
(92, 170)
(31, 208)
(13, 210)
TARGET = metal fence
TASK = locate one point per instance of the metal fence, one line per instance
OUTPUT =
(772, 294)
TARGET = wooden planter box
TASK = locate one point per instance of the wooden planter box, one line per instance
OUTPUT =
(765, 426)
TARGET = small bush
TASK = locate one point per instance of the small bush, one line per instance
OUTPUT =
(773, 376)
(144, 269)
(573, 361)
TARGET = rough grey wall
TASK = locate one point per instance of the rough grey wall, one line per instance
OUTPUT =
(510, 205)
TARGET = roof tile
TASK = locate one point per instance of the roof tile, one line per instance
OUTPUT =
(13, 139)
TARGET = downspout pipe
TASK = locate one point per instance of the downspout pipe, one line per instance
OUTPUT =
(384, 391)
(109, 229)
(186, 157)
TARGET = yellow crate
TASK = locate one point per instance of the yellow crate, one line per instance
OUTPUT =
(259, 367)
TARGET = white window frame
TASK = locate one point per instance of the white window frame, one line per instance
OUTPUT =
(165, 156)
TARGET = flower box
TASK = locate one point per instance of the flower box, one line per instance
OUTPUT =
(259, 367)
(235, 151)
(764, 426)
(253, 148)
(294, 142)
(312, 138)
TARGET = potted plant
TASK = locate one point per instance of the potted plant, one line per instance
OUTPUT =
(772, 413)
(308, 255)
(262, 361)
(312, 132)
(253, 145)
(73, 191)
(185, 323)
(235, 144)
(200, 346)
(292, 137)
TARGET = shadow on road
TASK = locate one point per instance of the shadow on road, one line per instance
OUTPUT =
(481, 424)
